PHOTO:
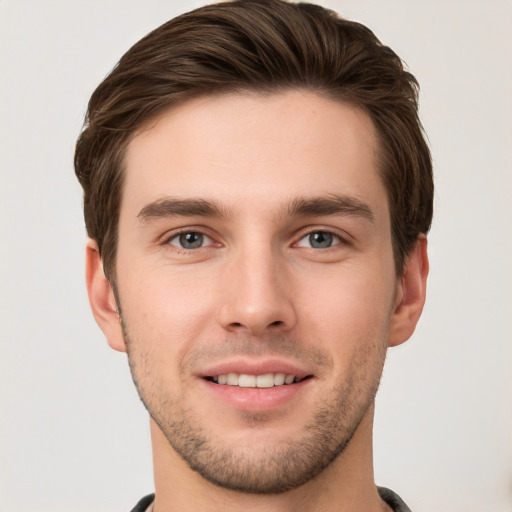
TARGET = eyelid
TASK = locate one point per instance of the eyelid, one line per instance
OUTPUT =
(341, 238)
(206, 240)
(167, 237)
(336, 240)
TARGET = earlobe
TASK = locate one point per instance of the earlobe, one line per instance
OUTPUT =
(101, 298)
(410, 294)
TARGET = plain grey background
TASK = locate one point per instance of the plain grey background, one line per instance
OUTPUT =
(73, 435)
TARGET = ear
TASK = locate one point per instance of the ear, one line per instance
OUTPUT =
(101, 298)
(410, 296)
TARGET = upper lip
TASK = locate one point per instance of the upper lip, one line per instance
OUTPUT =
(254, 367)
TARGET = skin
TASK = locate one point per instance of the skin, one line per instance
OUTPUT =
(258, 292)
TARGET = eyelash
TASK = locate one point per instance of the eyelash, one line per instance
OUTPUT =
(336, 239)
(168, 240)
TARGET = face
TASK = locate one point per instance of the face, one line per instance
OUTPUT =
(256, 283)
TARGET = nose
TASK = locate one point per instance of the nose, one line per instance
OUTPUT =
(257, 297)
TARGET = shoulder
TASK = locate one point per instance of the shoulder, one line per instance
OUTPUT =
(393, 500)
(144, 503)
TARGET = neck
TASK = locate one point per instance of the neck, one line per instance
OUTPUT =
(346, 484)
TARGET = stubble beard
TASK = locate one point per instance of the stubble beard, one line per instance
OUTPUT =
(275, 468)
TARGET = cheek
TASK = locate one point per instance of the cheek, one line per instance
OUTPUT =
(166, 311)
(351, 323)
(350, 308)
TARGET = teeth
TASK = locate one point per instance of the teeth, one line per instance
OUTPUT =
(289, 379)
(265, 381)
(246, 381)
(232, 379)
(243, 380)
(279, 379)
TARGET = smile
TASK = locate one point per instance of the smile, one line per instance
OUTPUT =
(267, 380)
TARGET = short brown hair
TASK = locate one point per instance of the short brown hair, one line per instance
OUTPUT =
(266, 46)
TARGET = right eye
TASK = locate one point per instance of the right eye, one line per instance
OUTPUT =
(190, 240)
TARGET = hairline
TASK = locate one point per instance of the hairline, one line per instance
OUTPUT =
(150, 121)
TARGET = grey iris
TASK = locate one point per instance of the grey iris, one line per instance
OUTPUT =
(191, 240)
(320, 240)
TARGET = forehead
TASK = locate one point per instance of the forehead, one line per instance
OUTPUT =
(246, 148)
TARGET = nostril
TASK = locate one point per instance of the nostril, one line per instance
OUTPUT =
(256, 327)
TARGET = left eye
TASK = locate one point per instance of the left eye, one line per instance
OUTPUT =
(319, 240)
(190, 240)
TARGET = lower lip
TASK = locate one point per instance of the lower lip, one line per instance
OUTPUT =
(257, 399)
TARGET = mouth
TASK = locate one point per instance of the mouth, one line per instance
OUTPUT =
(257, 386)
(266, 380)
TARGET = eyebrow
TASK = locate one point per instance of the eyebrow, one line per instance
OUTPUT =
(175, 207)
(330, 205)
(299, 207)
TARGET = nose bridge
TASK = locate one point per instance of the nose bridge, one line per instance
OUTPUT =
(257, 297)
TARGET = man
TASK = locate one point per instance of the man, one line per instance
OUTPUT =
(257, 193)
